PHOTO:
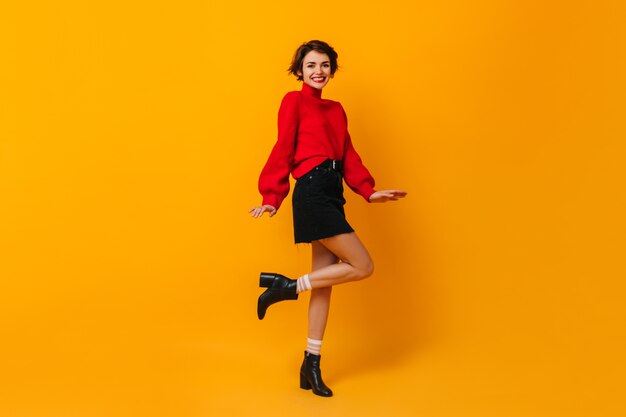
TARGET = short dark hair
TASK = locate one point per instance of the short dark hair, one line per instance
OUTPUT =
(315, 45)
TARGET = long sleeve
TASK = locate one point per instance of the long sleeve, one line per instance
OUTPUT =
(274, 178)
(355, 173)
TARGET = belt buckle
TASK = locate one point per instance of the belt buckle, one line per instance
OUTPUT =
(334, 165)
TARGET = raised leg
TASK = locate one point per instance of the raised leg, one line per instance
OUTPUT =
(355, 264)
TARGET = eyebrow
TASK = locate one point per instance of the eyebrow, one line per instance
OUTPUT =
(313, 62)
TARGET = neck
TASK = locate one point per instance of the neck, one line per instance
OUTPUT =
(311, 91)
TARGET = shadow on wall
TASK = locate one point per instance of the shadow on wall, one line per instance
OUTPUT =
(392, 314)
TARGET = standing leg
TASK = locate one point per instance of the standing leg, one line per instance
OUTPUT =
(310, 373)
(320, 297)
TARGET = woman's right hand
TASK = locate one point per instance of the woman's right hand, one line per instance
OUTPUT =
(259, 210)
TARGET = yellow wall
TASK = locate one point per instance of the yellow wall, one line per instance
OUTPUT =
(131, 138)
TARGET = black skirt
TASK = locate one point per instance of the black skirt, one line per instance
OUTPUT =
(318, 204)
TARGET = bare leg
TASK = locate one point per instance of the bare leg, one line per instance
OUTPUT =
(356, 262)
(320, 297)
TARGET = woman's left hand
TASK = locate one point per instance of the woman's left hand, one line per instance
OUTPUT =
(386, 195)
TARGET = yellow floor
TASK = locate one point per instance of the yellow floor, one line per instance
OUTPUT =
(188, 365)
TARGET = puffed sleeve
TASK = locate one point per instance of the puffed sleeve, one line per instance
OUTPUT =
(274, 178)
(355, 173)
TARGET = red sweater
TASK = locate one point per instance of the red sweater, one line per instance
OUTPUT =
(310, 130)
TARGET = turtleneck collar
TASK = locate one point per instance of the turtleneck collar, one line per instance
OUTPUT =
(311, 91)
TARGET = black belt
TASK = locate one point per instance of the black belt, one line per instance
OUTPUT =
(334, 164)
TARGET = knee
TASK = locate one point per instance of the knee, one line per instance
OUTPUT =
(366, 270)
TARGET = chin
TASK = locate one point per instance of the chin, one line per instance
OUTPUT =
(319, 86)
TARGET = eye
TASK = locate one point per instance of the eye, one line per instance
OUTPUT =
(326, 65)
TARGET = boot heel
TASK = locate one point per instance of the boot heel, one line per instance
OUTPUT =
(267, 279)
(304, 384)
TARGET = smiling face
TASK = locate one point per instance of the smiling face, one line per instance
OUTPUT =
(315, 69)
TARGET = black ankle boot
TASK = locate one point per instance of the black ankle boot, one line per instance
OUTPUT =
(279, 288)
(311, 375)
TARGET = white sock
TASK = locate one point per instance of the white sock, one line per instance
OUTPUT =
(313, 346)
(303, 284)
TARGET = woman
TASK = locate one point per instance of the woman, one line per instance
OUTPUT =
(315, 148)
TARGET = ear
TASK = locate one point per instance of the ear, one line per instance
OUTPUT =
(299, 73)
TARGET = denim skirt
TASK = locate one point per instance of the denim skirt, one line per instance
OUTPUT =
(318, 202)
